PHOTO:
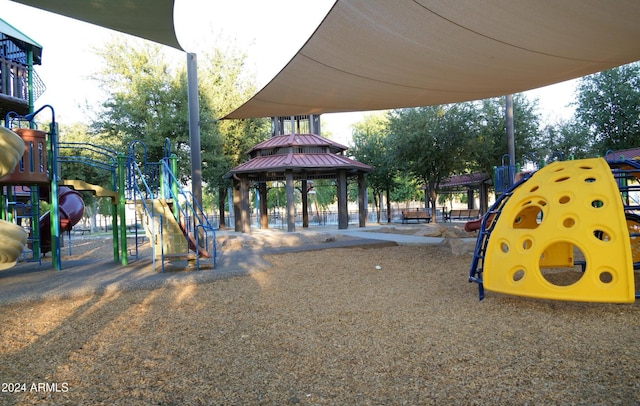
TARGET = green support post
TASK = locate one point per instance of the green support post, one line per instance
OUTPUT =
(121, 205)
(173, 164)
(114, 231)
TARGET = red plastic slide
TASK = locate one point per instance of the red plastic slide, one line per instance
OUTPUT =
(70, 211)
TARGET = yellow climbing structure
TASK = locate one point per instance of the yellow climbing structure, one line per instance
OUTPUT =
(567, 218)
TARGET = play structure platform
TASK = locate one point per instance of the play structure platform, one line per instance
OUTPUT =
(568, 231)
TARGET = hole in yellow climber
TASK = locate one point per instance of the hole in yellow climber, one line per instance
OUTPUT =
(563, 271)
(606, 277)
(518, 275)
(569, 222)
(529, 217)
(602, 235)
(564, 199)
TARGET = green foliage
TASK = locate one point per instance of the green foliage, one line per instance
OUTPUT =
(370, 146)
(223, 86)
(276, 195)
(609, 107)
(489, 144)
(429, 143)
(146, 100)
(406, 189)
(565, 140)
(326, 192)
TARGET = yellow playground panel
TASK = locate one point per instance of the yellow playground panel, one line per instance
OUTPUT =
(567, 215)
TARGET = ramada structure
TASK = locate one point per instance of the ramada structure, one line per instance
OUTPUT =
(295, 158)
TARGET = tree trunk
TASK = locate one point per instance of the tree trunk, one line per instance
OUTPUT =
(388, 206)
(375, 204)
(434, 202)
(222, 196)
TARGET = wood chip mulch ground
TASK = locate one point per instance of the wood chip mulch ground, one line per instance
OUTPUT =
(322, 327)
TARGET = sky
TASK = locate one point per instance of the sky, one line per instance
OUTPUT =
(68, 57)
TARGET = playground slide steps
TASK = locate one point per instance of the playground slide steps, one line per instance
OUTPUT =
(169, 240)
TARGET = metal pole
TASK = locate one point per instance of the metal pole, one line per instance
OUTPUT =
(511, 143)
(194, 127)
(53, 211)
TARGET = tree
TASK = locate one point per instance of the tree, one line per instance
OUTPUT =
(490, 143)
(146, 100)
(224, 85)
(429, 143)
(608, 104)
(369, 146)
(565, 140)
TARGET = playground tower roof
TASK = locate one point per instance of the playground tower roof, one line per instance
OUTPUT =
(8, 33)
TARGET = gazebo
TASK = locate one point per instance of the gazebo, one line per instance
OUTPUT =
(469, 183)
(296, 158)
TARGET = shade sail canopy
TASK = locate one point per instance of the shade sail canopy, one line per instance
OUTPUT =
(379, 54)
(148, 19)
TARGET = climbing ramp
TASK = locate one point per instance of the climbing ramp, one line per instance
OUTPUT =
(169, 239)
(561, 234)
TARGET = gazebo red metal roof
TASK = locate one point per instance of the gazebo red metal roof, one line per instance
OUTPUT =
(298, 140)
(300, 162)
(309, 156)
(459, 181)
(630, 153)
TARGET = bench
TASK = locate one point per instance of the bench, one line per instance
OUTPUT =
(462, 214)
(80, 231)
(415, 215)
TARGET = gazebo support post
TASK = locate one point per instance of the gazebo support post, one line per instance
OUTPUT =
(237, 212)
(245, 205)
(362, 200)
(471, 201)
(264, 211)
(484, 197)
(305, 205)
(343, 209)
(291, 220)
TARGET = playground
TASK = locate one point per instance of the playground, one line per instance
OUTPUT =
(319, 326)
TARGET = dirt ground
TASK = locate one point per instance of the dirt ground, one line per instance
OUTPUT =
(389, 325)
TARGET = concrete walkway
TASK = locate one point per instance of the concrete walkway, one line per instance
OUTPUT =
(31, 281)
